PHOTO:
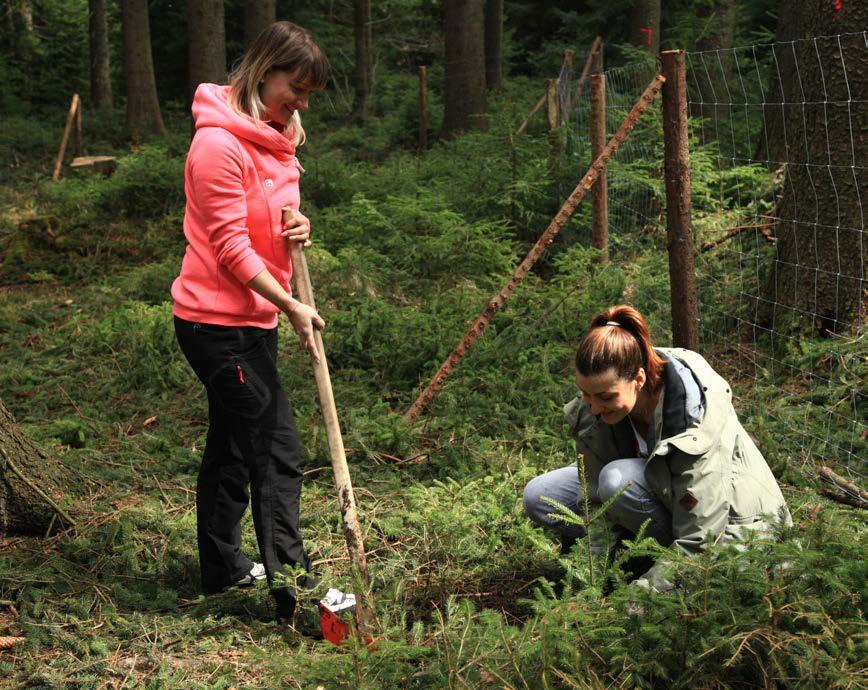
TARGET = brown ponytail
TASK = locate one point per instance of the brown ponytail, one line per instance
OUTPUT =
(619, 339)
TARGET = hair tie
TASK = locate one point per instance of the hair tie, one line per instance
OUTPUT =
(613, 323)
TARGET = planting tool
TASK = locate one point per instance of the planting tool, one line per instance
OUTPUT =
(352, 532)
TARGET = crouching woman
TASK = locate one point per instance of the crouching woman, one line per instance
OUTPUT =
(657, 430)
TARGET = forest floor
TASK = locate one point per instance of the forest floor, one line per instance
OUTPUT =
(468, 594)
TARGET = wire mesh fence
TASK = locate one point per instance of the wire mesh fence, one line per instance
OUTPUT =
(634, 177)
(778, 161)
(780, 128)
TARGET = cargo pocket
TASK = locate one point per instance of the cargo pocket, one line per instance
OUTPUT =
(745, 503)
(240, 390)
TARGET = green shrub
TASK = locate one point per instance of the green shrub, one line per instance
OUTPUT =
(151, 283)
(147, 184)
(140, 340)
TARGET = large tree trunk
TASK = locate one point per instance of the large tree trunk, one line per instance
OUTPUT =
(362, 31)
(817, 277)
(493, 43)
(712, 70)
(19, 20)
(771, 146)
(465, 106)
(206, 36)
(143, 107)
(258, 16)
(716, 19)
(645, 25)
(29, 483)
(100, 75)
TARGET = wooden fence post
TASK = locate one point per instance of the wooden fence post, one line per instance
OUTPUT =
(676, 166)
(600, 198)
(568, 58)
(78, 130)
(64, 140)
(596, 49)
(554, 116)
(423, 127)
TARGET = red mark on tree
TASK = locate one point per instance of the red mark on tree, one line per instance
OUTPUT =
(649, 33)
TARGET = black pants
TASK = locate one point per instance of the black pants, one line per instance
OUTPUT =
(252, 441)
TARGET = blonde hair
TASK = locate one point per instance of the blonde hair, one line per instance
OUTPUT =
(619, 339)
(282, 46)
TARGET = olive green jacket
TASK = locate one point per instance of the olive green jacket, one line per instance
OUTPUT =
(707, 472)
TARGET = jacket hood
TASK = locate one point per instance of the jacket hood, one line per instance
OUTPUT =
(211, 109)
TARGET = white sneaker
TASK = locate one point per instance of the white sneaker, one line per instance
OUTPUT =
(257, 572)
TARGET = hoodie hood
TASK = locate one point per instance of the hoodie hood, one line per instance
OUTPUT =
(211, 109)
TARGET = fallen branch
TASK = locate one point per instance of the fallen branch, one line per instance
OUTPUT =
(853, 494)
(732, 232)
(840, 498)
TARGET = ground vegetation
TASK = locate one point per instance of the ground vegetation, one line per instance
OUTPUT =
(408, 248)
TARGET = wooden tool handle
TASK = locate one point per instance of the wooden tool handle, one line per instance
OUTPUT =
(352, 530)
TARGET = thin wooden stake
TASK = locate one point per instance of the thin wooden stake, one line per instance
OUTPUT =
(64, 140)
(352, 531)
(539, 104)
(554, 119)
(600, 198)
(554, 227)
(676, 168)
(423, 128)
(568, 58)
(596, 48)
(78, 131)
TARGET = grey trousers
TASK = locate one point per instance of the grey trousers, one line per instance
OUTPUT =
(636, 504)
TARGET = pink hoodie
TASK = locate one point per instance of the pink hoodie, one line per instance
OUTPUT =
(239, 175)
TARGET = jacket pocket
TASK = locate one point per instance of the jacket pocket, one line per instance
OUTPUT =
(239, 389)
(746, 501)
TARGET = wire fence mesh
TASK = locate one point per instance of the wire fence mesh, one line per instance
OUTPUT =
(779, 126)
(778, 161)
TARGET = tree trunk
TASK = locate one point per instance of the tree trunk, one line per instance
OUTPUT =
(645, 25)
(493, 44)
(465, 106)
(23, 38)
(143, 108)
(27, 479)
(206, 35)
(817, 276)
(258, 16)
(362, 32)
(100, 75)
(712, 71)
(771, 145)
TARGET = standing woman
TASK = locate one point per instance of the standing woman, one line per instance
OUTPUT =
(657, 425)
(234, 281)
